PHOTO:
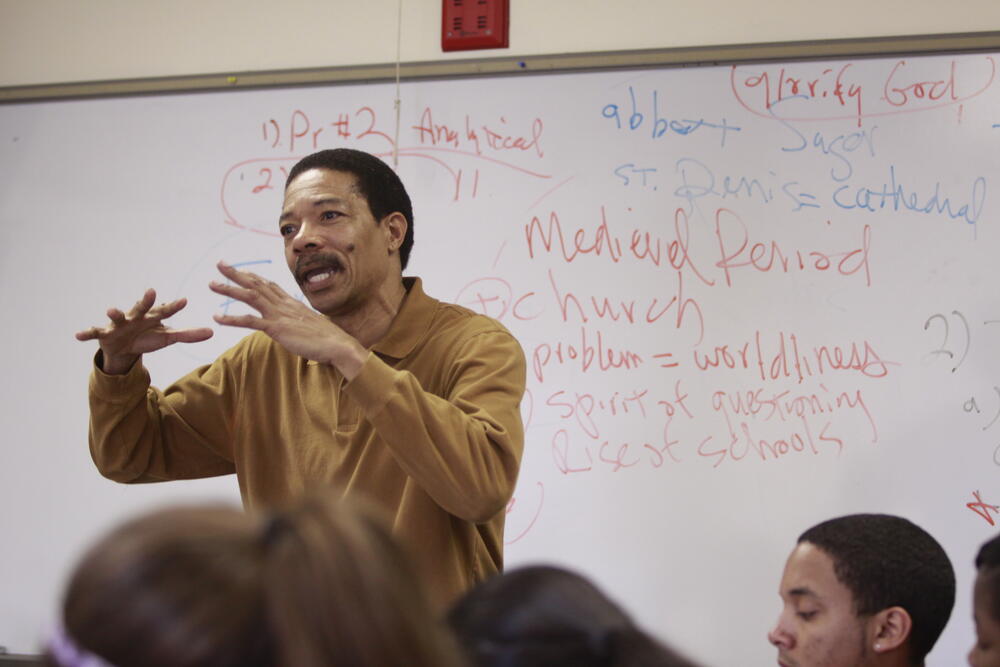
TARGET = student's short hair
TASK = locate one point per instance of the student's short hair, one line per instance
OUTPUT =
(376, 182)
(317, 584)
(988, 564)
(887, 561)
(540, 616)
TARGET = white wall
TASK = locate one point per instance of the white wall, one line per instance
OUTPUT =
(58, 41)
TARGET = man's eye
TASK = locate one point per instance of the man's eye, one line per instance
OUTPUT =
(286, 230)
(806, 615)
(330, 215)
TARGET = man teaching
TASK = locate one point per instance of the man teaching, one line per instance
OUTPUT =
(378, 389)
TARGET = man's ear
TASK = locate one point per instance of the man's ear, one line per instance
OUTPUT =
(890, 629)
(395, 227)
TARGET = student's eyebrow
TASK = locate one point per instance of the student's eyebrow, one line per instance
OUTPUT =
(802, 591)
(335, 201)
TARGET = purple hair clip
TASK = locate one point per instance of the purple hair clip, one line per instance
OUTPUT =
(68, 653)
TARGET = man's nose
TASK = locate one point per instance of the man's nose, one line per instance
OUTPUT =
(306, 238)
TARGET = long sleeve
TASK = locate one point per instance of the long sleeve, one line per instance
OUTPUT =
(463, 447)
(141, 434)
(430, 430)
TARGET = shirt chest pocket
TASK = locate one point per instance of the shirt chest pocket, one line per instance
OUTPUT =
(322, 397)
(348, 415)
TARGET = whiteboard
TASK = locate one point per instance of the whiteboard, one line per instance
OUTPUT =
(751, 298)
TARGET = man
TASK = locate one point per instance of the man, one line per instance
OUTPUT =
(863, 590)
(381, 390)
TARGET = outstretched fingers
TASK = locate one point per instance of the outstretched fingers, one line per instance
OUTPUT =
(141, 306)
(89, 334)
(116, 316)
(246, 321)
(165, 310)
(245, 295)
(143, 320)
(245, 279)
(248, 288)
(195, 335)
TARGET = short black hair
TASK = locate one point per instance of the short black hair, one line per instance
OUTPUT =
(988, 564)
(887, 561)
(376, 181)
(542, 615)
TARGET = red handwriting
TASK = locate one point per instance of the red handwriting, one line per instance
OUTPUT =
(612, 456)
(625, 310)
(437, 145)
(494, 297)
(901, 90)
(786, 360)
(657, 458)
(764, 405)
(983, 509)
(759, 425)
(583, 406)
(778, 85)
(527, 408)
(589, 353)
(597, 453)
(736, 252)
(247, 178)
(301, 133)
(495, 138)
(561, 455)
(266, 175)
(243, 186)
(667, 359)
(744, 444)
(531, 523)
(643, 247)
(670, 406)
(809, 92)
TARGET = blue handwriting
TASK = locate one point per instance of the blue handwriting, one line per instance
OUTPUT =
(635, 120)
(698, 180)
(624, 171)
(838, 147)
(896, 196)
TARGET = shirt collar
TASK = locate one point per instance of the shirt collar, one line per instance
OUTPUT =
(410, 324)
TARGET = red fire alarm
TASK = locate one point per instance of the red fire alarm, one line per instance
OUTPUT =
(474, 24)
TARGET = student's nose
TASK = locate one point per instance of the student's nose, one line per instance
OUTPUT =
(779, 636)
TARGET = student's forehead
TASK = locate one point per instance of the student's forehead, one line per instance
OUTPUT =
(984, 588)
(810, 571)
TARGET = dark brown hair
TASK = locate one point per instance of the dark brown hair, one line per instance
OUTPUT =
(376, 182)
(541, 616)
(988, 564)
(888, 561)
(318, 584)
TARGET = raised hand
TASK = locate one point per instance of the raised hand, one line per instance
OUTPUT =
(140, 330)
(296, 326)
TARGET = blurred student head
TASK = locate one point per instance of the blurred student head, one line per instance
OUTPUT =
(320, 583)
(545, 616)
(865, 589)
(986, 606)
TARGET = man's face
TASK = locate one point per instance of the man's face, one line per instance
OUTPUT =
(986, 651)
(817, 626)
(338, 253)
